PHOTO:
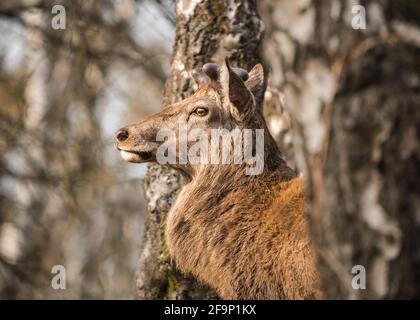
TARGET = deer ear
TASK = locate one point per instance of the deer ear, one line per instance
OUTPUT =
(257, 84)
(234, 88)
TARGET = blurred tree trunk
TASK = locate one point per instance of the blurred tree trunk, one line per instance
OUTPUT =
(354, 99)
(205, 31)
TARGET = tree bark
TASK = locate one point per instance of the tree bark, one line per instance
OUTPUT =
(206, 31)
(354, 97)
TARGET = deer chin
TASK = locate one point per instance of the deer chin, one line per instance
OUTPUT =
(137, 156)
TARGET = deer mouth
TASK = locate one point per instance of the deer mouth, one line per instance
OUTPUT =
(136, 156)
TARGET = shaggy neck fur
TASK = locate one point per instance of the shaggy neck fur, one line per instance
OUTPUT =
(245, 235)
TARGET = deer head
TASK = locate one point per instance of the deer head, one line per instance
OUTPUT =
(227, 98)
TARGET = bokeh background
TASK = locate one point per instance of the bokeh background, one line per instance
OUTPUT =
(66, 197)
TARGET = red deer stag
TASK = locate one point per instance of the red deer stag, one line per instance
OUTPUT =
(244, 234)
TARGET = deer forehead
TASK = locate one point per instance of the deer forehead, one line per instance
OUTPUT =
(204, 97)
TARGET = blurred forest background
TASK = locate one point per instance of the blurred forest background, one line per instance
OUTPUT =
(67, 198)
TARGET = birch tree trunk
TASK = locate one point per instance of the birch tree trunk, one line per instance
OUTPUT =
(206, 31)
(354, 99)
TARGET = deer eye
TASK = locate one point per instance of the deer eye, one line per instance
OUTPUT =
(201, 112)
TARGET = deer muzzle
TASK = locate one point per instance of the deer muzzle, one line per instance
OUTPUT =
(133, 149)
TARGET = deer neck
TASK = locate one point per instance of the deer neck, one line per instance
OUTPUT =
(209, 183)
(213, 187)
(210, 205)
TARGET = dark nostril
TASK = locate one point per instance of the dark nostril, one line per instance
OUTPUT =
(121, 135)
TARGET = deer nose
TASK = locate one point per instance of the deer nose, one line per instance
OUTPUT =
(121, 135)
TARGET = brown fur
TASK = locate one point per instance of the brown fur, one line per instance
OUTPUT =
(247, 236)
(249, 241)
